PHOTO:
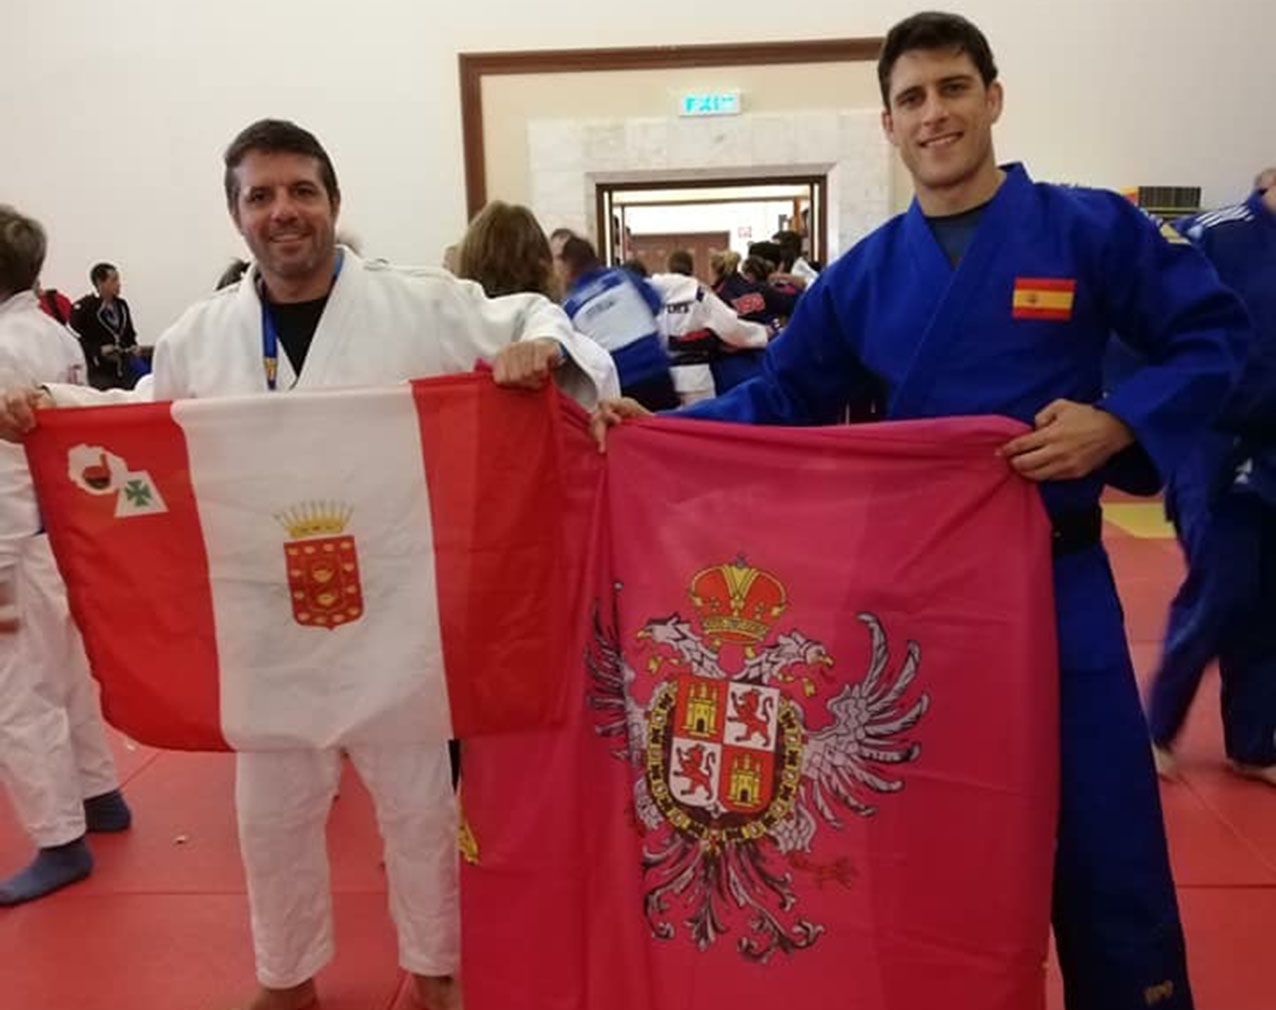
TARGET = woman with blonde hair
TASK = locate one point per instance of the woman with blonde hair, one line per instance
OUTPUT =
(723, 263)
(506, 251)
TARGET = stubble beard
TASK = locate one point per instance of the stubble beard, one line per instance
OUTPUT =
(297, 268)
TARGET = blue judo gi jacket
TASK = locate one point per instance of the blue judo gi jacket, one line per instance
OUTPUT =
(1023, 319)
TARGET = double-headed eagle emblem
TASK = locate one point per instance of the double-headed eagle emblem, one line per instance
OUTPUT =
(732, 781)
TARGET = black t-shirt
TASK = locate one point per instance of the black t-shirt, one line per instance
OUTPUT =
(953, 232)
(295, 325)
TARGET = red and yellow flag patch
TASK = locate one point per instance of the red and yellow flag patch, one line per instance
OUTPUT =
(1043, 298)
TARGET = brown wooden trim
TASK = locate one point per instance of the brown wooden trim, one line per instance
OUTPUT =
(817, 183)
(550, 61)
(472, 136)
(692, 202)
(601, 210)
(717, 182)
(473, 67)
(820, 238)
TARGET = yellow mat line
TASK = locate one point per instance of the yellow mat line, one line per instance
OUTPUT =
(1145, 520)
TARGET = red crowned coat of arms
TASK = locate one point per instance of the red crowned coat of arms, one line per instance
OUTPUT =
(322, 564)
(722, 756)
(732, 782)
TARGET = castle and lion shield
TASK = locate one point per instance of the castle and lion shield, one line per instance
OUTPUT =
(323, 565)
(745, 747)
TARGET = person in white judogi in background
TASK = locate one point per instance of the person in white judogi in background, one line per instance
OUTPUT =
(312, 314)
(695, 323)
(54, 758)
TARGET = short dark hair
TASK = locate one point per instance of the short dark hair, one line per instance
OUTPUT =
(100, 272)
(682, 262)
(578, 256)
(558, 233)
(636, 267)
(274, 136)
(789, 241)
(22, 249)
(769, 251)
(934, 30)
(790, 245)
(757, 269)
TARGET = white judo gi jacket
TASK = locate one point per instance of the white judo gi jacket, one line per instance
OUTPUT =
(689, 307)
(53, 749)
(382, 324)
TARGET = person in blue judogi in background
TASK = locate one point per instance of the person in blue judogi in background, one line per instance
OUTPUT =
(617, 309)
(1223, 503)
(995, 294)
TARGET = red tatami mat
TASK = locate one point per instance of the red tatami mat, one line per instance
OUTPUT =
(1222, 829)
(162, 924)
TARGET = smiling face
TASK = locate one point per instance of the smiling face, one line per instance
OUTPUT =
(286, 215)
(940, 119)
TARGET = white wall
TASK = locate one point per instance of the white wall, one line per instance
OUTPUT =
(113, 113)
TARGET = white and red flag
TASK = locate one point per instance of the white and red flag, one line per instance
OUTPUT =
(306, 570)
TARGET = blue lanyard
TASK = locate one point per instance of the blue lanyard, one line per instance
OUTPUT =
(270, 335)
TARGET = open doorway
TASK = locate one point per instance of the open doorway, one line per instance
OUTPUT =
(648, 220)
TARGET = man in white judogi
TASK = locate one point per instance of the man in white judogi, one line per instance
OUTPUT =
(312, 314)
(54, 758)
(693, 317)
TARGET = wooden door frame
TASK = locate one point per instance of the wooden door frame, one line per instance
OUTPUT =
(473, 67)
(819, 183)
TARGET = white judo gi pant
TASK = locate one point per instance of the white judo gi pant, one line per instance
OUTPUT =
(53, 748)
(693, 383)
(283, 799)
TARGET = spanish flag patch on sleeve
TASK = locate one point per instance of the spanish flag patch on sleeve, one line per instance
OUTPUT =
(1043, 298)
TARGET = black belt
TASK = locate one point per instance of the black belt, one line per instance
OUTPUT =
(1075, 530)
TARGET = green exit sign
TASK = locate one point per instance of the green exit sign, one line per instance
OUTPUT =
(710, 103)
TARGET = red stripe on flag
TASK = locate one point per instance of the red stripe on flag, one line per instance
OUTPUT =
(157, 662)
(493, 469)
(1044, 284)
(1023, 312)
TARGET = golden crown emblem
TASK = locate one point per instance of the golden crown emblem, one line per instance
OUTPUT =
(737, 602)
(315, 519)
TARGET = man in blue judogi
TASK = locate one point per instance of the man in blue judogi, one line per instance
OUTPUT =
(994, 294)
(618, 310)
(1223, 502)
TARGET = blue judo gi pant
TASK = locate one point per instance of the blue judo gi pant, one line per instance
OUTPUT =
(731, 369)
(1115, 914)
(1225, 609)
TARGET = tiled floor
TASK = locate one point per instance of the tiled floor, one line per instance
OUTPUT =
(162, 924)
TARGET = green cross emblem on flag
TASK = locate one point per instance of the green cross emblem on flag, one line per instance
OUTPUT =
(138, 496)
(138, 492)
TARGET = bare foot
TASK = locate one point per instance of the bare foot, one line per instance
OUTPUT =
(1166, 765)
(1260, 773)
(298, 997)
(437, 992)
